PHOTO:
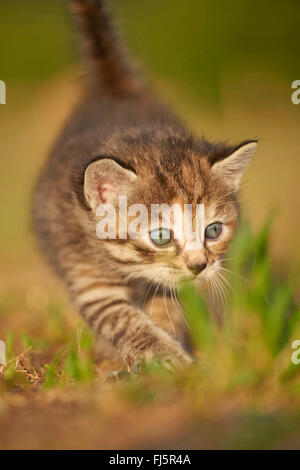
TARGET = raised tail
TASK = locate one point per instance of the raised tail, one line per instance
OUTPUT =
(110, 71)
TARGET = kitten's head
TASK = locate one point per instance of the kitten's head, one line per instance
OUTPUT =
(153, 170)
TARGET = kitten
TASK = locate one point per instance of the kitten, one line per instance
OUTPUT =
(121, 141)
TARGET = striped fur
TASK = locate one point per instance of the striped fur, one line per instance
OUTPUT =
(142, 149)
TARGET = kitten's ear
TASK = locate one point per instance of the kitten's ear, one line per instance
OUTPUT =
(104, 181)
(232, 168)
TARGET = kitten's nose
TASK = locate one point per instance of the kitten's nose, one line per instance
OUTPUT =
(197, 268)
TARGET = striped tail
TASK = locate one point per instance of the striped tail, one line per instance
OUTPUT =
(110, 72)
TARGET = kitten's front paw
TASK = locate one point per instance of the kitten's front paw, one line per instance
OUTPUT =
(174, 358)
(169, 352)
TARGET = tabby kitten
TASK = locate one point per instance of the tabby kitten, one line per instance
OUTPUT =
(122, 141)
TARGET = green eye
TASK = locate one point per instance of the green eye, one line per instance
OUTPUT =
(213, 231)
(161, 236)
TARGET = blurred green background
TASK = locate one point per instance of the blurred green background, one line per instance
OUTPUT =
(226, 67)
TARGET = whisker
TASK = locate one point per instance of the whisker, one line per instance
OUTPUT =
(177, 306)
(222, 197)
(167, 310)
(221, 294)
(242, 259)
(213, 290)
(220, 301)
(176, 299)
(227, 298)
(172, 292)
(216, 294)
(215, 298)
(179, 302)
(146, 297)
(222, 281)
(154, 298)
(225, 280)
(224, 204)
(222, 309)
(236, 275)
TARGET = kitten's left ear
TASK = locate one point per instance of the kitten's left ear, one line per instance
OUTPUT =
(231, 168)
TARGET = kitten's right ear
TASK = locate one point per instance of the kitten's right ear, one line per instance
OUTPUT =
(232, 167)
(104, 181)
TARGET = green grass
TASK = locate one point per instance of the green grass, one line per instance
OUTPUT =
(79, 361)
(243, 359)
(260, 321)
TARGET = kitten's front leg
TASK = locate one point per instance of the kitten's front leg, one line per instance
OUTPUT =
(109, 311)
